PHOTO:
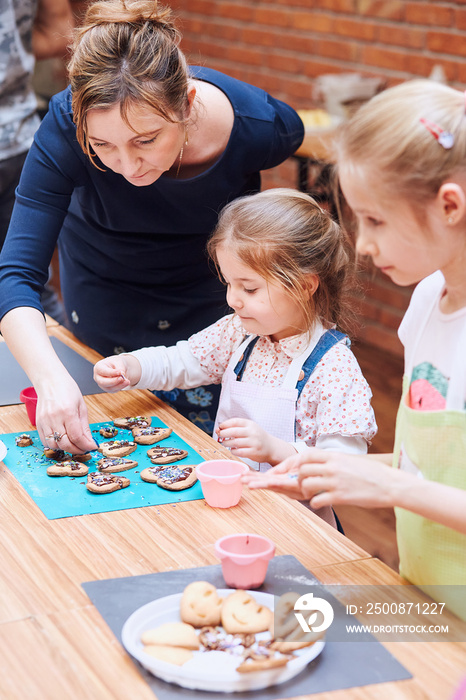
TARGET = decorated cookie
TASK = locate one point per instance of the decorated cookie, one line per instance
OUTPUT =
(117, 448)
(200, 604)
(262, 658)
(147, 436)
(23, 440)
(131, 422)
(165, 455)
(241, 613)
(108, 431)
(170, 478)
(82, 458)
(171, 655)
(105, 483)
(56, 455)
(109, 465)
(172, 634)
(69, 467)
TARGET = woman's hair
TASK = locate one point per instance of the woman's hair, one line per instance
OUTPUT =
(126, 53)
(284, 236)
(387, 135)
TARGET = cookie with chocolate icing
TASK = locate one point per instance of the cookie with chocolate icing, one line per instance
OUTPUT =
(108, 465)
(117, 448)
(56, 455)
(105, 483)
(130, 422)
(108, 431)
(150, 435)
(23, 440)
(69, 467)
(166, 455)
(171, 478)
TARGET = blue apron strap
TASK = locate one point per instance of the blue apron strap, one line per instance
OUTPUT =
(326, 341)
(241, 365)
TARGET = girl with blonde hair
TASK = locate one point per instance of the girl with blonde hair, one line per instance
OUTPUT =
(402, 168)
(128, 171)
(289, 379)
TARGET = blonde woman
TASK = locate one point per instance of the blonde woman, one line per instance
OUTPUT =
(130, 169)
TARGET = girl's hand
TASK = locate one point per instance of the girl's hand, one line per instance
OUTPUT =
(117, 372)
(331, 478)
(244, 438)
(61, 417)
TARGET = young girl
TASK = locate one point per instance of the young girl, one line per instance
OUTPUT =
(289, 379)
(402, 169)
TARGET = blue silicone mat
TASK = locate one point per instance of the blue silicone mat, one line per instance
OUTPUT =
(64, 496)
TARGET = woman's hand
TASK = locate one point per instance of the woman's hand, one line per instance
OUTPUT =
(246, 439)
(282, 479)
(117, 372)
(61, 417)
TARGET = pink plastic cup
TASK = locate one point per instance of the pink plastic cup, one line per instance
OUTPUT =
(28, 396)
(245, 559)
(221, 481)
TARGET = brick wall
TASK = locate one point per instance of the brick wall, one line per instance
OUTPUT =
(283, 45)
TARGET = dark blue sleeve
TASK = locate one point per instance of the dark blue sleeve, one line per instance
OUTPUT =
(287, 136)
(51, 171)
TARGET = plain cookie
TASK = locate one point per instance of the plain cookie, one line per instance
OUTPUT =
(201, 605)
(171, 655)
(172, 634)
(241, 613)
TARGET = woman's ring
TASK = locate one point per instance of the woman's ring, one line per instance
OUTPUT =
(56, 436)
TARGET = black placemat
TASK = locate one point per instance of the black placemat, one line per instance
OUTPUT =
(13, 379)
(340, 665)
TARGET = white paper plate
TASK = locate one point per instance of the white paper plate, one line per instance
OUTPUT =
(208, 670)
(3, 450)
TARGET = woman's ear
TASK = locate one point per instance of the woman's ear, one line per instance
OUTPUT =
(311, 285)
(191, 94)
(451, 200)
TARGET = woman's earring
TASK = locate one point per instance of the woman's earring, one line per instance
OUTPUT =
(451, 220)
(182, 149)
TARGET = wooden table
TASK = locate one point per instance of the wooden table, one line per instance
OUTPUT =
(54, 645)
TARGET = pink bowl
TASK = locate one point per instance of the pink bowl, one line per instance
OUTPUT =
(28, 396)
(221, 481)
(245, 558)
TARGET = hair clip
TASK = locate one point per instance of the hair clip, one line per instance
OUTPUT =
(445, 138)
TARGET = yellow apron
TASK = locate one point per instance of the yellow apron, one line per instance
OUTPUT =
(432, 444)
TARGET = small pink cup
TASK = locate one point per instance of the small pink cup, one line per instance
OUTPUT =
(28, 396)
(221, 481)
(245, 559)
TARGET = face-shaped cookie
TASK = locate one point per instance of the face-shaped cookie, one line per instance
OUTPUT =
(67, 468)
(241, 613)
(117, 448)
(200, 604)
(148, 436)
(170, 478)
(23, 440)
(109, 465)
(105, 483)
(108, 431)
(131, 422)
(166, 455)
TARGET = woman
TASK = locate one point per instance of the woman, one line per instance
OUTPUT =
(131, 167)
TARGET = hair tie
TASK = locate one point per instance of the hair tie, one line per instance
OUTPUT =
(445, 138)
